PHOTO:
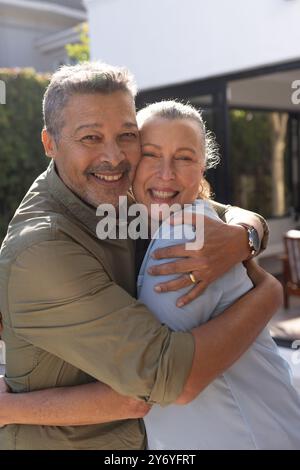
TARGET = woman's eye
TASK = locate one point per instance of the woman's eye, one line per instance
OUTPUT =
(149, 154)
(184, 158)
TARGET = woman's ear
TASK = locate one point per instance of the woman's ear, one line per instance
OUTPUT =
(49, 144)
(204, 189)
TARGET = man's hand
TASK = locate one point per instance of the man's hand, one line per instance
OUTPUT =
(224, 246)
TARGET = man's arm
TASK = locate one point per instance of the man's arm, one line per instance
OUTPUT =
(239, 325)
(209, 263)
(218, 344)
(234, 215)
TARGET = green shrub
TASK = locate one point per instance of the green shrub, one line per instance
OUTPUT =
(22, 157)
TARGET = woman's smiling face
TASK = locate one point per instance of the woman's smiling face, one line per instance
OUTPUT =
(172, 163)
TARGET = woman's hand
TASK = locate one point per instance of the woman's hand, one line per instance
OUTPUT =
(78, 405)
(224, 246)
(4, 388)
(1, 325)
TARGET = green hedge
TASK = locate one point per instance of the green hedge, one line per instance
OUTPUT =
(21, 154)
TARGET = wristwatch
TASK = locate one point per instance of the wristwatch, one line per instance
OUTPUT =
(253, 239)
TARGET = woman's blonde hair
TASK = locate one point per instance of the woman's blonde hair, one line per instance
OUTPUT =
(172, 110)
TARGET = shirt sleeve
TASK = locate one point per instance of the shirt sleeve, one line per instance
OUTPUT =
(224, 211)
(164, 306)
(62, 301)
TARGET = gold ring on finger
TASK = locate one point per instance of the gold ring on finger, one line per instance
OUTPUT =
(192, 278)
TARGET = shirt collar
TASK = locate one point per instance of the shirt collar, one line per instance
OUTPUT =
(72, 204)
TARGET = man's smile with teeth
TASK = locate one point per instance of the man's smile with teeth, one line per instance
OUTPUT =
(116, 177)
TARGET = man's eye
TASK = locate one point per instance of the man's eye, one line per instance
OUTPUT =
(129, 136)
(90, 138)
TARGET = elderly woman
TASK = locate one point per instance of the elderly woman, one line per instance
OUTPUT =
(252, 405)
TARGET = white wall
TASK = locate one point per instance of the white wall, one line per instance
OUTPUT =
(17, 49)
(170, 41)
(21, 28)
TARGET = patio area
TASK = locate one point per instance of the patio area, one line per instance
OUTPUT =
(286, 323)
(285, 329)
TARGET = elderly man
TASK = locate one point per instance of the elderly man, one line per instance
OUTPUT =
(67, 298)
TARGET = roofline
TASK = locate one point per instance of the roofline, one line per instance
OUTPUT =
(46, 7)
(209, 82)
(87, 2)
(59, 39)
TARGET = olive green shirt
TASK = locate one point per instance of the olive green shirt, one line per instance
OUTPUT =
(70, 317)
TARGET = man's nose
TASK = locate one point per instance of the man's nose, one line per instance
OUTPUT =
(112, 153)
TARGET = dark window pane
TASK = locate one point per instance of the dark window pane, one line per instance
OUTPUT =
(259, 160)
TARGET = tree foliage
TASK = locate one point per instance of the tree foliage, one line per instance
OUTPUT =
(257, 167)
(21, 154)
(80, 52)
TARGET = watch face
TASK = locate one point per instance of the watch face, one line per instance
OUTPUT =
(254, 239)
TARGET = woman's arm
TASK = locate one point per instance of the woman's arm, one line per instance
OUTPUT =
(92, 403)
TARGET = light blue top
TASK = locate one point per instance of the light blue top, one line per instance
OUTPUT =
(253, 405)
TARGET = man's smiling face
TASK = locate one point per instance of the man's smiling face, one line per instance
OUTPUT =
(99, 146)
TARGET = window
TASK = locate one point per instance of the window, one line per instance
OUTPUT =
(260, 161)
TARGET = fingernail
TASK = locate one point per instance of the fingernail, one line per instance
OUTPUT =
(149, 270)
(153, 255)
(157, 289)
(180, 304)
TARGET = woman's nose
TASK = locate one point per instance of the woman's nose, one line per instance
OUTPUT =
(167, 171)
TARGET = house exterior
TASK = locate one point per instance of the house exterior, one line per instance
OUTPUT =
(34, 33)
(237, 61)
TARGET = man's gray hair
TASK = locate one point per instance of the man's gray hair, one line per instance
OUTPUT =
(88, 77)
(175, 110)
